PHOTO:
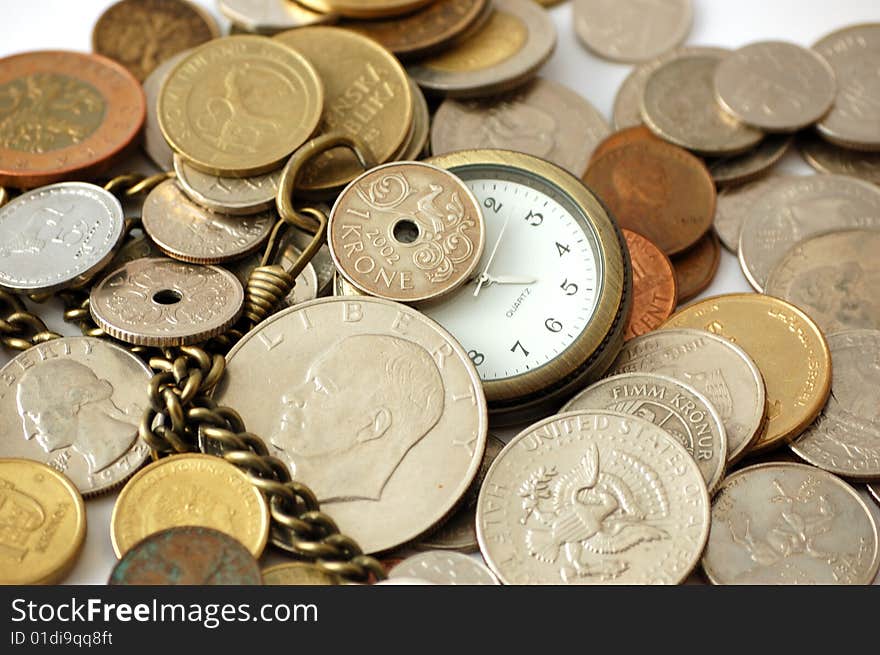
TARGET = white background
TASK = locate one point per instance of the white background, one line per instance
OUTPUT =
(67, 24)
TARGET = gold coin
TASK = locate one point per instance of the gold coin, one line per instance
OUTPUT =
(788, 348)
(367, 96)
(298, 574)
(42, 523)
(199, 490)
(364, 8)
(240, 105)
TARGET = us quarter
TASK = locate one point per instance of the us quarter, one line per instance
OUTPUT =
(735, 204)
(377, 409)
(155, 145)
(271, 16)
(593, 497)
(783, 523)
(57, 236)
(443, 567)
(845, 438)
(74, 403)
(678, 408)
(829, 158)
(228, 195)
(739, 169)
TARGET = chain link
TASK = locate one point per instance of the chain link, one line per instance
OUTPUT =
(19, 328)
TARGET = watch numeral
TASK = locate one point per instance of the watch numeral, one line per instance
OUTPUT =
(570, 288)
(561, 249)
(534, 218)
(521, 347)
(476, 357)
(494, 205)
(553, 325)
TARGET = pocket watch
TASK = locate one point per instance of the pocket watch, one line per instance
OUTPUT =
(545, 313)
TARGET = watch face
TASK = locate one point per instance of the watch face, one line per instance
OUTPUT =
(537, 285)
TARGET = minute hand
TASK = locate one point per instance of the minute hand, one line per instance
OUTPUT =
(509, 279)
(484, 276)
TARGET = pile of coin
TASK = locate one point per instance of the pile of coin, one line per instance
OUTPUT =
(312, 324)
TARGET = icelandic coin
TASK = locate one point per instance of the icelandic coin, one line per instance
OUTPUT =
(716, 367)
(798, 208)
(654, 288)
(460, 532)
(854, 54)
(829, 158)
(544, 119)
(64, 115)
(155, 145)
(187, 555)
(735, 204)
(679, 106)
(678, 408)
(443, 567)
(367, 96)
(776, 86)
(786, 523)
(428, 30)
(657, 190)
(593, 497)
(788, 348)
(299, 574)
(192, 489)
(75, 403)
(845, 438)
(623, 137)
(188, 232)
(163, 302)
(57, 236)
(632, 30)
(833, 277)
(406, 231)
(738, 169)
(271, 16)
(365, 8)
(234, 196)
(240, 105)
(506, 52)
(377, 409)
(695, 268)
(44, 523)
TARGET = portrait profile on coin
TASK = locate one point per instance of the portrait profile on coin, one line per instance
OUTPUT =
(65, 404)
(364, 403)
(839, 294)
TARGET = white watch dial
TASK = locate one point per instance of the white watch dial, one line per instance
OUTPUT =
(537, 285)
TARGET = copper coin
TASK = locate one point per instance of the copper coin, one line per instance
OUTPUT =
(187, 555)
(658, 190)
(623, 138)
(696, 267)
(64, 115)
(425, 31)
(655, 290)
(141, 34)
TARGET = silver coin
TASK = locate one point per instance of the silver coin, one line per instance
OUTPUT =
(443, 567)
(593, 497)
(325, 269)
(235, 196)
(460, 532)
(678, 408)
(75, 403)
(735, 204)
(270, 16)
(716, 367)
(845, 438)
(376, 408)
(135, 247)
(798, 208)
(163, 302)
(155, 145)
(739, 169)
(342, 287)
(785, 523)
(632, 30)
(679, 106)
(776, 86)
(507, 51)
(829, 158)
(854, 54)
(184, 230)
(833, 277)
(57, 236)
(544, 118)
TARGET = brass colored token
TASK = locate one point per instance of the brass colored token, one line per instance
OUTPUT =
(240, 105)
(696, 267)
(365, 8)
(407, 232)
(298, 574)
(270, 16)
(368, 96)
(141, 34)
(191, 489)
(788, 348)
(44, 523)
(654, 286)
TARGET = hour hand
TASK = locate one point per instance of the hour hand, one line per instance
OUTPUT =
(510, 279)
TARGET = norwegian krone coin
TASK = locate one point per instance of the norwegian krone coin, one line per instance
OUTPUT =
(826, 157)
(234, 196)
(155, 145)
(735, 204)
(695, 268)
(784, 523)
(654, 287)
(299, 574)
(377, 409)
(739, 169)
(271, 16)
(593, 497)
(443, 567)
